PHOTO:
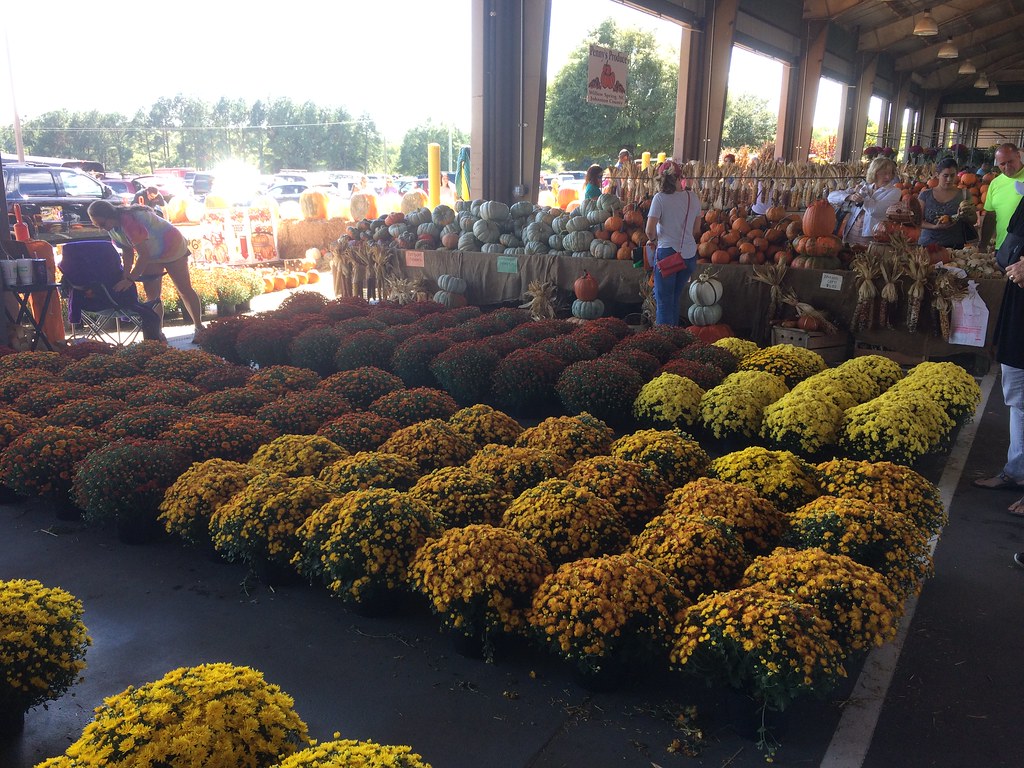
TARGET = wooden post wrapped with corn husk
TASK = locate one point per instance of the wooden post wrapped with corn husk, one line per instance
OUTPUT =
(919, 269)
(648, 306)
(342, 266)
(865, 269)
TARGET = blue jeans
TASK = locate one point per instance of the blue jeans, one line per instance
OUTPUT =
(669, 290)
(1013, 396)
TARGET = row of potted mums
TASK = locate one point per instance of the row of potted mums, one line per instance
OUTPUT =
(755, 568)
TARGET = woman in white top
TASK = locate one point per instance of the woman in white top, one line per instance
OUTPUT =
(673, 226)
(869, 201)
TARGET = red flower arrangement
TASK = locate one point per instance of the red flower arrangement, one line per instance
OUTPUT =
(281, 379)
(464, 370)
(523, 382)
(169, 392)
(303, 413)
(411, 359)
(42, 462)
(362, 386)
(43, 399)
(90, 414)
(145, 421)
(219, 436)
(263, 341)
(314, 348)
(704, 375)
(569, 348)
(408, 406)
(179, 364)
(366, 348)
(603, 387)
(359, 431)
(96, 369)
(652, 343)
(223, 377)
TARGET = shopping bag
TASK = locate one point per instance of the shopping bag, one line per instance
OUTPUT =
(970, 320)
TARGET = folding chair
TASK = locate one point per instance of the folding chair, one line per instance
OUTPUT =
(89, 271)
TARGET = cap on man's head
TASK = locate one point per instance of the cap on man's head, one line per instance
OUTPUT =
(623, 151)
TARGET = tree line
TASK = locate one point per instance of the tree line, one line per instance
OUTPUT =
(270, 135)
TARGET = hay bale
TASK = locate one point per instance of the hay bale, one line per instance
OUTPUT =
(294, 238)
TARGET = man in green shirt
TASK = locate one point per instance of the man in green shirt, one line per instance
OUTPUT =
(1002, 198)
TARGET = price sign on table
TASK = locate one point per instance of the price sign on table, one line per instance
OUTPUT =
(414, 258)
(831, 281)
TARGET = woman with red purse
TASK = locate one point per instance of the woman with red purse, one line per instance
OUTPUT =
(673, 226)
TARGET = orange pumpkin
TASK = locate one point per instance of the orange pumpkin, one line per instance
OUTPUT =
(720, 257)
(625, 253)
(819, 219)
(268, 284)
(619, 237)
(312, 276)
(613, 223)
(775, 214)
(808, 323)
(279, 283)
(291, 280)
(968, 179)
(585, 287)
(709, 334)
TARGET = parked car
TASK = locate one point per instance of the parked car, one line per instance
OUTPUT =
(287, 191)
(54, 200)
(125, 189)
(168, 186)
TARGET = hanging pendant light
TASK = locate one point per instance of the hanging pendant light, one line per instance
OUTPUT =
(982, 81)
(926, 26)
(966, 68)
(992, 90)
(947, 50)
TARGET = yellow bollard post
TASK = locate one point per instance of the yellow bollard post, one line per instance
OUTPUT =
(433, 174)
(645, 161)
(661, 158)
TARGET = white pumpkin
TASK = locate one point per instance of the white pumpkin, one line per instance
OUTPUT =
(705, 291)
(704, 315)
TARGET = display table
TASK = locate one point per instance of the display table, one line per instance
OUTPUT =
(495, 278)
(745, 308)
(24, 314)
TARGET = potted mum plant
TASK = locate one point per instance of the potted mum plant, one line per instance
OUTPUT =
(480, 580)
(124, 482)
(346, 752)
(603, 614)
(214, 715)
(42, 648)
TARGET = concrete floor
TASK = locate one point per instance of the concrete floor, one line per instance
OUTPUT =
(952, 700)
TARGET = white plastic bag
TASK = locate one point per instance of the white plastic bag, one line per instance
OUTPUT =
(970, 319)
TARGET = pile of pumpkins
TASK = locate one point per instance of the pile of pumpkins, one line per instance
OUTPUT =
(304, 273)
(733, 237)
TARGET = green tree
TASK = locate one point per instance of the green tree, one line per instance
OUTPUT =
(412, 157)
(581, 133)
(748, 121)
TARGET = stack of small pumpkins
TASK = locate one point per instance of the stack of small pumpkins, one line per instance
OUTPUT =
(705, 312)
(815, 244)
(452, 291)
(734, 237)
(586, 306)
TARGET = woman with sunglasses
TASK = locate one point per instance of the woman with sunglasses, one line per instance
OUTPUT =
(942, 223)
(150, 246)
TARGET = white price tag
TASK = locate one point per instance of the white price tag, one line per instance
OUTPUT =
(831, 281)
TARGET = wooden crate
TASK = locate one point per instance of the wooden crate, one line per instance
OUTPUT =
(833, 347)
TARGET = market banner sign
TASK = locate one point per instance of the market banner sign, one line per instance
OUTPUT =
(607, 76)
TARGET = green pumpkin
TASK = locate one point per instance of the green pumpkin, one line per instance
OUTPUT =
(443, 215)
(468, 242)
(492, 248)
(486, 231)
(537, 232)
(495, 210)
(587, 310)
(451, 283)
(578, 241)
(533, 247)
(521, 209)
(510, 241)
(560, 223)
(603, 249)
(577, 224)
(701, 315)
(555, 242)
(705, 291)
(608, 203)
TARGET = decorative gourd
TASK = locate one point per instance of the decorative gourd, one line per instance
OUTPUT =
(585, 287)
(451, 283)
(603, 249)
(578, 240)
(449, 299)
(819, 219)
(587, 310)
(468, 242)
(486, 231)
(704, 315)
(521, 209)
(313, 204)
(395, 217)
(443, 215)
(705, 290)
(495, 210)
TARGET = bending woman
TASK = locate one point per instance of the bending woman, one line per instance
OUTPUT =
(673, 226)
(149, 247)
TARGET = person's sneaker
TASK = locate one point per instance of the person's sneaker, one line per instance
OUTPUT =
(1018, 558)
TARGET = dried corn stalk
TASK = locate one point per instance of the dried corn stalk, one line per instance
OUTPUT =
(891, 269)
(803, 309)
(772, 276)
(947, 289)
(401, 290)
(865, 268)
(540, 300)
(919, 268)
(648, 306)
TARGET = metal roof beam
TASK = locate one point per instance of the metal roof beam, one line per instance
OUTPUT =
(928, 55)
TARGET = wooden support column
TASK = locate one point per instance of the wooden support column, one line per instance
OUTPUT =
(686, 137)
(808, 75)
(706, 97)
(929, 135)
(509, 56)
(783, 127)
(861, 100)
